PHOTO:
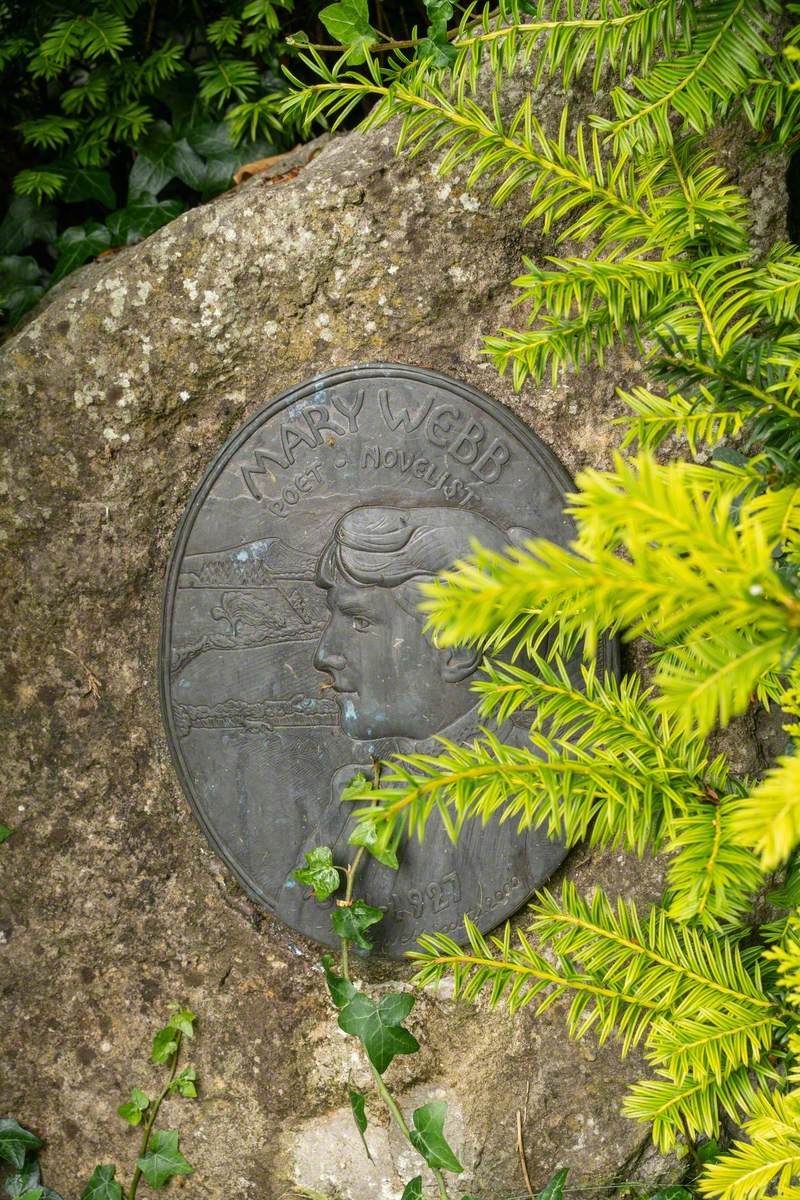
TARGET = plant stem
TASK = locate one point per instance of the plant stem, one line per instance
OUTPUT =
(348, 897)
(383, 1091)
(155, 1106)
(151, 20)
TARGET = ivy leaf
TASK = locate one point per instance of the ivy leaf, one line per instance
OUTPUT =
(30, 1191)
(15, 1142)
(357, 1103)
(350, 921)
(141, 218)
(382, 846)
(77, 245)
(341, 990)
(18, 269)
(438, 51)
(348, 23)
(165, 1044)
(428, 1138)
(5, 830)
(26, 1178)
(185, 1083)
(183, 1020)
(163, 1159)
(189, 167)
(153, 168)
(21, 285)
(440, 13)
(378, 1026)
(86, 183)
(102, 1185)
(26, 222)
(319, 872)
(17, 301)
(708, 1151)
(437, 46)
(554, 1188)
(132, 1110)
(163, 156)
(213, 141)
(413, 1189)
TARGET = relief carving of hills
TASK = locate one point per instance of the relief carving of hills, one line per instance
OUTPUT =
(245, 618)
(254, 564)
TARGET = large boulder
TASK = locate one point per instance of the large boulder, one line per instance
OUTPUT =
(118, 393)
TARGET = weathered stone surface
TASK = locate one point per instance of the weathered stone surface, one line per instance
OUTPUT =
(118, 394)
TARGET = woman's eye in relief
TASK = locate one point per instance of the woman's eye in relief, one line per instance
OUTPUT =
(361, 624)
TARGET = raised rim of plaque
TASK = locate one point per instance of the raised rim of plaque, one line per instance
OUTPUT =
(608, 651)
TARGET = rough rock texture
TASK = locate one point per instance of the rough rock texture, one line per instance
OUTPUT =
(118, 394)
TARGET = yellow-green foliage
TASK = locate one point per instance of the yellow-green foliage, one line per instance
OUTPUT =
(700, 558)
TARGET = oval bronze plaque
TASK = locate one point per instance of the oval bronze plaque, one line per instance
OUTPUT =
(292, 649)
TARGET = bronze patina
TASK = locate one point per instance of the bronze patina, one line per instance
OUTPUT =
(293, 651)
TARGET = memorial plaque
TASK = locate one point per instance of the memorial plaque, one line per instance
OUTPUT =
(292, 647)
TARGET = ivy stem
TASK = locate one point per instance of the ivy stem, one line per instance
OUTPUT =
(155, 1106)
(348, 899)
(387, 43)
(383, 1091)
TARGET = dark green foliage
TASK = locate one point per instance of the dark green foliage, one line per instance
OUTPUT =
(167, 1041)
(319, 872)
(351, 921)
(428, 1138)
(163, 1159)
(381, 844)
(102, 1185)
(27, 1177)
(341, 990)
(358, 1105)
(554, 1188)
(15, 1142)
(132, 1110)
(111, 105)
(77, 245)
(348, 22)
(20, 1147)
(185, 1084)
(5, 830)
(26, 222)
(120, 114)
(378, 1025)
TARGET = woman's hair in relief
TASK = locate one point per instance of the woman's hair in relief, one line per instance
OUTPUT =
(375, 546)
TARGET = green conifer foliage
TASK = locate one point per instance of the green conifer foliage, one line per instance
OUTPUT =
(700, 556)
